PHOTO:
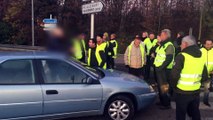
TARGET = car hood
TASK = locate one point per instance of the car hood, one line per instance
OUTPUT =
(122, 76)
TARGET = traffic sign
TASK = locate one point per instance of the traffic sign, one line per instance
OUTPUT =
(50, 21)
(92, 8)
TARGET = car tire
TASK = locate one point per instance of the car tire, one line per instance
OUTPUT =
(120, 107)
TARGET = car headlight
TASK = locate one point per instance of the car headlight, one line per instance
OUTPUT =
(151, 88)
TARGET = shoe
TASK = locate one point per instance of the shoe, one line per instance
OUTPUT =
(207, 104)
(165, 107)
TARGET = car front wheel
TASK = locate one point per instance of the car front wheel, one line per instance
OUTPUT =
(120, 108)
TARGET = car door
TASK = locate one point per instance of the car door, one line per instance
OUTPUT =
(65, 89)
(20, 95)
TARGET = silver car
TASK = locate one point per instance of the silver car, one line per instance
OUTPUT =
(43, 85)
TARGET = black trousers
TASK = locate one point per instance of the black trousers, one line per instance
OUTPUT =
(110, 63)
(187, 104)
(137, 72)
(147, 67)
(163, 87)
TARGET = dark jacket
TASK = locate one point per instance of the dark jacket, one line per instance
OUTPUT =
(179, 64)
(93, 59)
(177, 44)
(58, 44)
(111, 47)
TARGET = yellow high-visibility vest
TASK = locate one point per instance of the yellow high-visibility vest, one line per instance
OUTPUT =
(150, 44)
(161, 55)
(99, 48)
(78, 54)
(208, 58)
(142, 53)
(115, 49)
(191, 74)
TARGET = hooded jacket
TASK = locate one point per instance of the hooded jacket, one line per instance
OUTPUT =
(179, 65)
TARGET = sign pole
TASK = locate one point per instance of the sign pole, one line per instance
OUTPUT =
(92, 27)
(51, 17)
(92, 8)
(33, 38)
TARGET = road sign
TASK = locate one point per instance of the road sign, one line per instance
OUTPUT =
(50, 21)
(92, 8)
(50, 25)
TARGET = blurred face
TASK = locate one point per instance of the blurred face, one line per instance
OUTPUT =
(183, 45)
(159, 39)
(112, 36)
(144, 34)
(104, 37)
(163, 36)
(58, 32)
(99, 40)
(91, 44)
(208, 45)
(82, 37)
(152, 36)
(178, 35)
(137, 42)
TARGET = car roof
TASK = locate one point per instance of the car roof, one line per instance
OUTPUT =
(29, 55)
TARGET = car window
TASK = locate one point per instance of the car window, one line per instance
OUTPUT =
(17, 72)
(56, 71)
(94, 71)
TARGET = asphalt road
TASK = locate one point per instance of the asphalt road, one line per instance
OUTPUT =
(153, 112)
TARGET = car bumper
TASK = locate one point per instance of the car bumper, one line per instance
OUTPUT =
(145, 100)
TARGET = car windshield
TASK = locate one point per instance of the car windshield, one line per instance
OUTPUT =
(95, 71)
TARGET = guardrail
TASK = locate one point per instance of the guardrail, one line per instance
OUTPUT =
(9, 47)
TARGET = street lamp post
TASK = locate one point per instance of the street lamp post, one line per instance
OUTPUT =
(92, 21)
(33, 36)
(92, 28)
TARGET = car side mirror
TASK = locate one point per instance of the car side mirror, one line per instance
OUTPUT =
(89, 80)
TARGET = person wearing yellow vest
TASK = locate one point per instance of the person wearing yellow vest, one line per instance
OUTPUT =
(149, 44)
(163, 62)
(106, 37)
(152, 55)
(79, 48)
(207, 53)
(135, 57)
(144, 35)
(100, 52)
(106, 40)
(112, 51)
(91, 59)
(188, 73)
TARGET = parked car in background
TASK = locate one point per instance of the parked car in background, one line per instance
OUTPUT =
(46, 85)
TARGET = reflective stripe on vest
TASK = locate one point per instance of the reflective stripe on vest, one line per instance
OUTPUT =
(161, 55)
(99, 48)
(89, 57)
(142, 53)
(208, 58)
(188, 83)
(191, 74)
(84, 45)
